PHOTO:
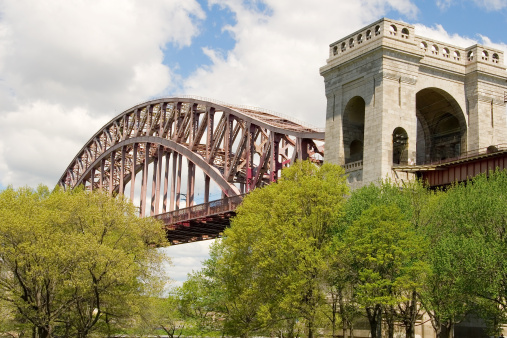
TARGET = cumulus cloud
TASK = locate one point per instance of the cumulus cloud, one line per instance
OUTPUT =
(39, 138)
(71, 65)
(279, 49)
(185, 259)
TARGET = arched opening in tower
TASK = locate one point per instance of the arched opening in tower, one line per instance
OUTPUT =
(400, 146)
(353, 129)
(441, 126)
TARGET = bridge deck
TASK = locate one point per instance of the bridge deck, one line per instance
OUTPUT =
(200, 222)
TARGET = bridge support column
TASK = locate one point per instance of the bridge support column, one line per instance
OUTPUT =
(159, 179)
(144, 181)
(154, 185)
(133, 172)
(121, 187)
(111, 172)
(190, 183)
(101, 179)
(178, 182)
(206, 188)
(166, 180)
(92, 179)
(173, 182)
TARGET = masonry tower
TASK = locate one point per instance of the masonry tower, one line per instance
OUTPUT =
(395, 98)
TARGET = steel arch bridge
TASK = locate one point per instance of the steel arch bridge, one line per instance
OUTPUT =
(237, 149)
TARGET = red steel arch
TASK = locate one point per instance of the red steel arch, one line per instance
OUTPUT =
(238, 148)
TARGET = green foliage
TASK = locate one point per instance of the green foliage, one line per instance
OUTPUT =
(467, 227)
(379, 254)
(75, 261)
(267, 270)
(200, 302)
(380, 247)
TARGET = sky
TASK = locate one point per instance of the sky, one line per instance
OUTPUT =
(69, 66)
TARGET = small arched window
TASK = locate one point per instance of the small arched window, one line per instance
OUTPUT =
(470, 55)
(495, 58)
(392, 30)
(360, 38)
(485, 55)
(400, 147)
(456, 55)
(335, 50)
(377, 30)
(445, 52)
(344, 46)
(368, 34)
(434, 49)
(423, 45)
(404, 33)
(351, 42)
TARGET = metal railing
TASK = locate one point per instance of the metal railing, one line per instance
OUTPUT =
(201, 210)
(469, 154)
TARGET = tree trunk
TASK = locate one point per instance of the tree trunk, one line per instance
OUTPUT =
(411, 316)
(389, 314)
(310, 330)
(445, 331)
(390, 329)
(41, 332)
(375, 319)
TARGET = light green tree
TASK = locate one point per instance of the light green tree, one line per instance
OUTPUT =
(381, 249)
(200, 302)
(408, 201)
(75, 261)
(270, 263)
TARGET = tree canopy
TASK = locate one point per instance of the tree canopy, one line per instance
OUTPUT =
(269, 264)
(75, 261)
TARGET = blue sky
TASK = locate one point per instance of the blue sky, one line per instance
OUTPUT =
(68, 67)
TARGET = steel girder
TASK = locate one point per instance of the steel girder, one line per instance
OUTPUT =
(238, 148)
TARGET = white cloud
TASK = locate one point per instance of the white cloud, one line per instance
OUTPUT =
(488, 5)
(444, 4)
(491, 5)
(186, 258)
(278, 52)
(71, 65)
(39, 139)
(438, 32)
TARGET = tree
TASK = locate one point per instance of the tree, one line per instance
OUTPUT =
(159, 315)
(270, 262)
(381, 248)
(408, 202)
(74, 261)
(200, 301)
(467, 226)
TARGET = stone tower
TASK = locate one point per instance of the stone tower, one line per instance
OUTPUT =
(395, 98)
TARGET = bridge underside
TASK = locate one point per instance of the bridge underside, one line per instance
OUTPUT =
(199, 229)
(461, 168)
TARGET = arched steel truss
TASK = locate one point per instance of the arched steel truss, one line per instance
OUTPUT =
(238, 148)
